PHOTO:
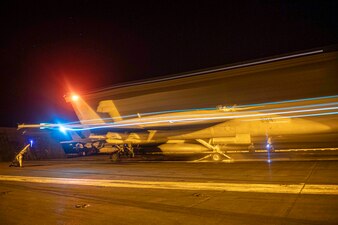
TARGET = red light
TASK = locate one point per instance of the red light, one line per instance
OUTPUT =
(75, 97)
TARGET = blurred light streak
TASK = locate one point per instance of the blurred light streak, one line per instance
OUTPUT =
(159, 120)
(275, 111)
(216, 69)
(240, 107)
(292, 101)
(298, 116)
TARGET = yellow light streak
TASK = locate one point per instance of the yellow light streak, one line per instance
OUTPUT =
(300, 188)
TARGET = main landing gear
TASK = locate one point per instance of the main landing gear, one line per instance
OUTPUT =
(126, 151)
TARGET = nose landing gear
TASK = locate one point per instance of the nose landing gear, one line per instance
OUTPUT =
(217, 157)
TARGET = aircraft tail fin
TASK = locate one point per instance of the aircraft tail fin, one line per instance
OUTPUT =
(108, 106)
(86, 115)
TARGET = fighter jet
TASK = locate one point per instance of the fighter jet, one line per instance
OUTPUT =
(209, 131)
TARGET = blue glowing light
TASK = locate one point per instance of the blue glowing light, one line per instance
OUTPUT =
(269, 160)
(62, 129)
(31, 142)
(268, 146)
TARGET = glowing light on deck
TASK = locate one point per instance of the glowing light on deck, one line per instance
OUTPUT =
(31, 142)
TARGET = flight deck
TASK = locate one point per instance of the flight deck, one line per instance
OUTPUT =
(249, 190)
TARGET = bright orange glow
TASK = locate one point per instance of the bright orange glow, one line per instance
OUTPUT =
(75, 97)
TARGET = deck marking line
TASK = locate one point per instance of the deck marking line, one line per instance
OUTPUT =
(208, 186)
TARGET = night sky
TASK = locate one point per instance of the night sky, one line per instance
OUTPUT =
(47, 48)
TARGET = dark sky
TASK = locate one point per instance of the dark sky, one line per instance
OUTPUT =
(47, 48)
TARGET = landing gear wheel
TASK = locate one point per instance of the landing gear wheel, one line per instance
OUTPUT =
(216, 157)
